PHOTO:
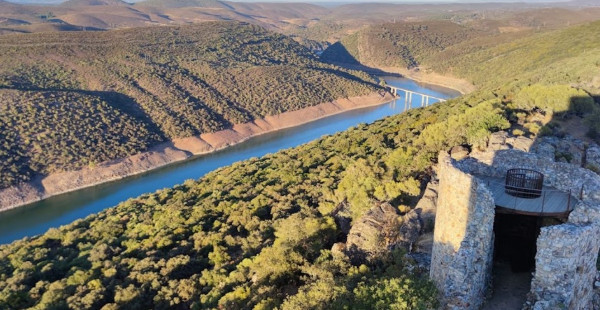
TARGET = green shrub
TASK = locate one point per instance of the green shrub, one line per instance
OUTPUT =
(518, 132)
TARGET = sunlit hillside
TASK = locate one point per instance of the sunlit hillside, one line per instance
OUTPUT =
(123, 91)
(262, 233)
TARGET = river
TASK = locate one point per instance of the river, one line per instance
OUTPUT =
(59, 210)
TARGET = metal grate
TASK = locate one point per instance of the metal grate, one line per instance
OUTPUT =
(524, 183)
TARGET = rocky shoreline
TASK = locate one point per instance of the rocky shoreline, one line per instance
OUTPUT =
(43, 187)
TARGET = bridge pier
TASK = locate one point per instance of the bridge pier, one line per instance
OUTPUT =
(408, 97)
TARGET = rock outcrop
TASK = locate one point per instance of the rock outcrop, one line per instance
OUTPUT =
(373, 234)
(382, 229)
(459, 152)
(592, 158)
(426, 207)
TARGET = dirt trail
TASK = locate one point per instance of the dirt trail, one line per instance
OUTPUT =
(509, 289)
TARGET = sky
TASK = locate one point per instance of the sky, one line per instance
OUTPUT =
(344, 1)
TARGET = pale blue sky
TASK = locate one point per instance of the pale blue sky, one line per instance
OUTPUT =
(344, 1)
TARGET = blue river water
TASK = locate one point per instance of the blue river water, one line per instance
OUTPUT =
(38, 217)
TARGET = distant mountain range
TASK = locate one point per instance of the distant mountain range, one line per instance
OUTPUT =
(340, 1)
(108, 14)
(312, 24)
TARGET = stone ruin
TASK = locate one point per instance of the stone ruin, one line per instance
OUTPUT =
(463, 241)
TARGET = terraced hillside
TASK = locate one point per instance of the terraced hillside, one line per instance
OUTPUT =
(261, 234)
(64, 93)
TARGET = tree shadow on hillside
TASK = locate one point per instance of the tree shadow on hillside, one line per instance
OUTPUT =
(118, 101)
(348, 76)
(581, 121)
(337, 54)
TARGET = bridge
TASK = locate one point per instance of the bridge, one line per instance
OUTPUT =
(408, 97)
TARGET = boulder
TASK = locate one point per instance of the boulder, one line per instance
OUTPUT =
(592, 156)
(373, 234)
(338, 249)
(521, 143)
(545, 150)
(382, 229)
(459, 152)
(409, 230)
(497, 141)
(341, 215)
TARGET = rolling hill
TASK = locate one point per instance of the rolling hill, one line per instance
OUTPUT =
(171, 82)
(184, 3)
(314, 25)
(404, 44)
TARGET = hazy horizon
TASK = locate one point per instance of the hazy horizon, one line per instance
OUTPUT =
(335, 1)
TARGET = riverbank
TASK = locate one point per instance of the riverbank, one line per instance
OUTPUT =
(461, 85)
(175, 151)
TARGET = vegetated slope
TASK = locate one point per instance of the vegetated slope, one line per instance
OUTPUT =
(553, 67)
(168, 81)
(531, 55)
(411, 44)
(398, 44)
(44, 130)
(258, 234)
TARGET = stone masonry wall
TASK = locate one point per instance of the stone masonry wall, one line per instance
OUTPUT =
(565, 267)
(463, 238)
(463, 247)
(563, 176)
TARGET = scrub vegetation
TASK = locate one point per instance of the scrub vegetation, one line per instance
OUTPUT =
(71, 99)
(258, 234)
(398, 44)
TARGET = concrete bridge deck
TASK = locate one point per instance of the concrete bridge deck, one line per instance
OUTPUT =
(408, 95)
(553, 202)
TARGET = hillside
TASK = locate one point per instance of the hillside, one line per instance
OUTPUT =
(73, 3)
(398, 44)
(110, 14)
(184, 3)
(576, 44)
(263, 233)
(410, 44)
(313, 25)
(169, 82)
